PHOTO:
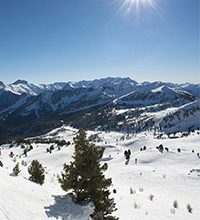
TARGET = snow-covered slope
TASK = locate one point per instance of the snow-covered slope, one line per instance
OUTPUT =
(179, 119)
(21, 86)
(22, 199)
(146, 190)
(184, 118)
(194, 89)
(161, 95)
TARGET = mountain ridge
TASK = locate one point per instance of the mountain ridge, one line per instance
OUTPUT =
(27, 108)
(99, 82)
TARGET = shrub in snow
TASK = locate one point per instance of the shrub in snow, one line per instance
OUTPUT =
(175, 204)
(51, 147)
(23, 163)
(30, 147)
(85, 177)
(131, 191)
(151, 197)
(1, 164)
(135, 160)
(160, 148)
(135, 205)
(167, 149)
(37, 172)
(198, 155)
(179, 150)
(25, 152)
(141, 189)
(16, 169)
(11, 154)
(189, 208)
(127, 154)
(114, 191)
(22, 146)
(61, 143)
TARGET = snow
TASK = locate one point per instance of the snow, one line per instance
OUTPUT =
(158, 116)
(163, 89)
(181, 121)
(178, 121)
(23, 87)
(157, 180)
(116, 100)
(23, 199)
(168, 90)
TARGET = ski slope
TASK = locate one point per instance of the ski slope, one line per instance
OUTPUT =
(156, 181)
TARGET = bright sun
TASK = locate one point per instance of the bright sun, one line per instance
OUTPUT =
(130, 4)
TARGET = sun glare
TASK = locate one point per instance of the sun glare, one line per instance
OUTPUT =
(135, 5)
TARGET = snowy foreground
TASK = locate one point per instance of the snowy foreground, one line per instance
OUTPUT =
(146, 190)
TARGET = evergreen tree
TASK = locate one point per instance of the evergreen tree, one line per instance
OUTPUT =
(37, 172)
(127, 154)
(16, 169)
(85, 177)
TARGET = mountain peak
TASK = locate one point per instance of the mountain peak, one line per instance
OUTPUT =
(20, 81)
(163, 88)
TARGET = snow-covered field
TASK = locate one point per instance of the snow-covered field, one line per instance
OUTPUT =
(146, 190)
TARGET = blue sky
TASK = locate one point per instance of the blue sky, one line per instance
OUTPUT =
(44, 41)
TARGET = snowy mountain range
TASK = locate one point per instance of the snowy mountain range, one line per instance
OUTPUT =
(27, 109)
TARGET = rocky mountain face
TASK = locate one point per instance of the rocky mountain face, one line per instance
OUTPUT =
(111, 103)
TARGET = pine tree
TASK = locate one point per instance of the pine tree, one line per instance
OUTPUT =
(16, 169)
(85, 177)
(37, 172)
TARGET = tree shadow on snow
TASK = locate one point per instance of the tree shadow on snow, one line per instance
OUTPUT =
(127, 162)
(64, 208)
